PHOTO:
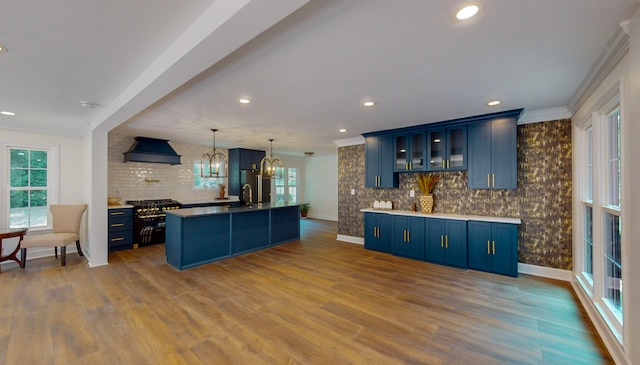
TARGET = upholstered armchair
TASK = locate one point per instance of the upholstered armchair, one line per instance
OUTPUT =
(66, 230)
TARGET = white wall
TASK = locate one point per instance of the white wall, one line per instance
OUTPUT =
(70, 179)
(321, 186)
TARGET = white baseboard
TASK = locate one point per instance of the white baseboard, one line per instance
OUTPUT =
(609, 338)
(545, 272)
(350, 239)
(323, 217)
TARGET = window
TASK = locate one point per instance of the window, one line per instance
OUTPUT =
(201, 179)
(29, 190)
(612, 228)
(598, 177)
(286, 189)
(587, 207)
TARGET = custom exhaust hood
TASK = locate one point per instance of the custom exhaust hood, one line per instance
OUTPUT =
(152, 150)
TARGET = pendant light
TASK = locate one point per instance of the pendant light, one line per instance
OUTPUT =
(216, 161)
(271, 167)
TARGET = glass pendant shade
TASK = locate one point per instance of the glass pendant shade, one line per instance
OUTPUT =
(215, 161)
(270, 166)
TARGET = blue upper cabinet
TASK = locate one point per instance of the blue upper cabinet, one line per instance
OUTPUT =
(410, 151)
(379, 162)
(447, 148)
(493, 155)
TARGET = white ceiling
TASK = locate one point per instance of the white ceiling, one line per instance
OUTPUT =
(175, 69)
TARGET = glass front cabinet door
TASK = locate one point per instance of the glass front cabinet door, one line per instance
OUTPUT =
(410, 149)
(447, 149)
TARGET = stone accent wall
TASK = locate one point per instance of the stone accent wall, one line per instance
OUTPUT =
(542, 200)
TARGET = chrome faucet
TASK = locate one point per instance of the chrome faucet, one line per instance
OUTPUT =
(250, 194)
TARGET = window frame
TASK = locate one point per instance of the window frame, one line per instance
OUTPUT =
(53, 188)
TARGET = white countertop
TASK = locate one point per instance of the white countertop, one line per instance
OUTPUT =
(445, 216)
(121, 206)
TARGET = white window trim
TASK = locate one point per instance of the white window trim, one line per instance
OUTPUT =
(53, 180)
(610, 100)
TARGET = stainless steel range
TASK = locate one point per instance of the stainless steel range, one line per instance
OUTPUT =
(149, 220)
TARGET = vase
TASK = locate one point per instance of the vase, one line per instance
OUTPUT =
(426, 203)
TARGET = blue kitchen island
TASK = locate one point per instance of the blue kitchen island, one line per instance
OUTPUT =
(197, 236)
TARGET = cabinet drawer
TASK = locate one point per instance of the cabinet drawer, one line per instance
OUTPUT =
(117, 224)
(123, 212)
(120, 238)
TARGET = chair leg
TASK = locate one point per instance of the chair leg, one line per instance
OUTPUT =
(55, 249)
(63, 254)
(23, 257)
(78, 247)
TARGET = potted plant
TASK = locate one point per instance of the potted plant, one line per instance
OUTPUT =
(304, 209)
(426, 183)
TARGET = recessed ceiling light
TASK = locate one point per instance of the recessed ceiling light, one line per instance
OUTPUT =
(467, 12)
(494, 103)
(244, 101)
(7, 113)
(343, 130)
(3, 48)
(369, 103)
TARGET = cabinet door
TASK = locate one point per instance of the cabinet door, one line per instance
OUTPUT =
(435, 240)
(456, 243)
(418, 151)
(401, 148)
(416, 237)
(457, 148)
(504, 154)
(388, 178)
(480, 246)
(385, 233)
(505, 255)
(479, 155)
(371, 161)
(436, 150)
(371, 231)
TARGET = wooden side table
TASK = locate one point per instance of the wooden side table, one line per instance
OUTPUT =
(10, 233)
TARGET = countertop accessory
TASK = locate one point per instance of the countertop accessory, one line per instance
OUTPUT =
(426, 183)
(149, 181)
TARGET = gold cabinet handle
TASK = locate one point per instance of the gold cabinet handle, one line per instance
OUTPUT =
(494, 247)
(410, 165)
(446, 241)
(117, 213)
(408, 236)
(448, 163)
(441, 241)
(488, 247)
(117, 239)
(488, 181)
(493, 177)
(443, 163)
(117, 225)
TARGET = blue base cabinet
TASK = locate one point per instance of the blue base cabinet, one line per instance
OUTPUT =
(409, 237)
(493, 247)
(378, 232)
(120, 229)
(249, 231)
(282, 228)
(197, 240)
(447, 242)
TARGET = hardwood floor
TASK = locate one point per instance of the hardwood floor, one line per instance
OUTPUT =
(314, 301)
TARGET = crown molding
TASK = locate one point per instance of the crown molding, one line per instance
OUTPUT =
(349, 141)
(544, 115)
(617, 48)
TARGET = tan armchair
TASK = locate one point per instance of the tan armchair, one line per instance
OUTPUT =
(66, 230)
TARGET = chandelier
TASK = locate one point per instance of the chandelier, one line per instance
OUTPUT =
(271, 167)
(215, 160)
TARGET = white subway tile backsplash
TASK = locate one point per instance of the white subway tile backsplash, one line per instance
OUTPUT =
(175, 182)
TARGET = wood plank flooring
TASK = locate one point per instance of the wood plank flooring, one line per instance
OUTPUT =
(313, 301)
